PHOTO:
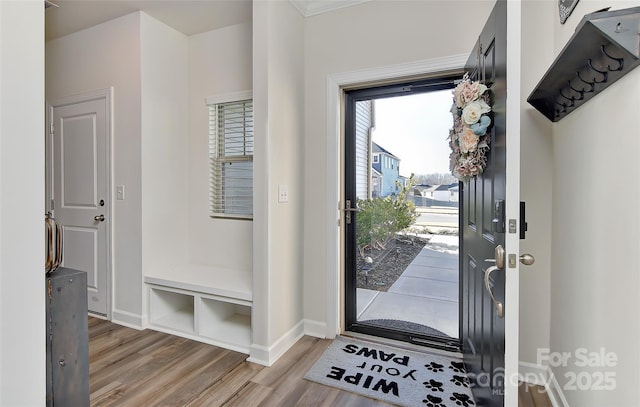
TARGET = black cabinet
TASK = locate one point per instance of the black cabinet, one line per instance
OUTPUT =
(67, 338)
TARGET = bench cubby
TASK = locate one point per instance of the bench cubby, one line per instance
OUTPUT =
(202, 303)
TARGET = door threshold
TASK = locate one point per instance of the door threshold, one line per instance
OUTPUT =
(422, 348)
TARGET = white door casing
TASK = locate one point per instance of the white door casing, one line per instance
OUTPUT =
(335, 83)
(81, 133)
(512, 240)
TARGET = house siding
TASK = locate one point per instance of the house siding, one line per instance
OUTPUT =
(364, 123)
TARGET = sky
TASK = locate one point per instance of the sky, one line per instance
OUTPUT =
(415, 128)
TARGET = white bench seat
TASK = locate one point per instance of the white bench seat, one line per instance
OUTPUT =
(206, 280)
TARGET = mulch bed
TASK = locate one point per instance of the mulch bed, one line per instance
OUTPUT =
(387, 264)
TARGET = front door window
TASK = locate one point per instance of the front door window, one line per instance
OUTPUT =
(402, 241)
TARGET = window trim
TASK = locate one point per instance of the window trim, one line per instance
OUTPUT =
(221, 99)
(229, 97)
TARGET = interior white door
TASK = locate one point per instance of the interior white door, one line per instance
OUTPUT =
(81, 199)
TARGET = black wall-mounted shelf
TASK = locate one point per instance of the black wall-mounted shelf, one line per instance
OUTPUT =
(604, 47)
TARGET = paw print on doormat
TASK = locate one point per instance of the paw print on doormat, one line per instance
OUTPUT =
(435, 367)
(433, 385)
(433, 401)
(460, 380)
(462, 400)
(457, 367)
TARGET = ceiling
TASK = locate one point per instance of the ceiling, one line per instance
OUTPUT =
(187, 16)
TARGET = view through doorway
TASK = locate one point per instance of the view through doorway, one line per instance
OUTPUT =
(402, 265)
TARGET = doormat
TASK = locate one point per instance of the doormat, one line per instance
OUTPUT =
(405, 326)
(393, 375)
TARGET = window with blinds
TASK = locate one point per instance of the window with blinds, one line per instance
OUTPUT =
(231, 159)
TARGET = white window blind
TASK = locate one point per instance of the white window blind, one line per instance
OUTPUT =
(231, 159)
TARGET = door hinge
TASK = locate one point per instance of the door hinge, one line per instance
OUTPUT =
(53, 204)
(51, 131)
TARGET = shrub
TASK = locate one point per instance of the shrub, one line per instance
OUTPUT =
(380, 219)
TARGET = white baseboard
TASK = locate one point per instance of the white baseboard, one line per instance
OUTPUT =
(315, 328)
(543, 376)
(533, 373)
(99, 316)
(127, 319)
(556, 396)
(268, 356)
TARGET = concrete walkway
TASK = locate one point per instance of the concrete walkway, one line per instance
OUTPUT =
(426, 293)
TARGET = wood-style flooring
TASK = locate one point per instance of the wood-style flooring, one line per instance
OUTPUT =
(148, 368)
(530, 395)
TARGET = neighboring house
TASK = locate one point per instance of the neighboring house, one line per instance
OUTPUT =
(376, 182)
(454, 192)
(403, 180)
(377, 170)
(445, 192)
(424, 190)
(388, 166)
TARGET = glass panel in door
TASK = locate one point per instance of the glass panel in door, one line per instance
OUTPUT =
(402, 240)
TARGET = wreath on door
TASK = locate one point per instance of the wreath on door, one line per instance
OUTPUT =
(469, 138)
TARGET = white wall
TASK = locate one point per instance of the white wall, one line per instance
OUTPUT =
(165, 145)
(220, 61)
(96, 58)
(536, 181)
(22, 282)
(278, 78)
(594, 283)
(369, 35)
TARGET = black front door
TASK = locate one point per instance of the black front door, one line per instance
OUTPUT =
(482, 226)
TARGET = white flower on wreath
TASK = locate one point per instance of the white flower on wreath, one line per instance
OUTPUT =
(474, 110)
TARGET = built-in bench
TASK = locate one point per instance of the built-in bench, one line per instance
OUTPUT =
(203, 303)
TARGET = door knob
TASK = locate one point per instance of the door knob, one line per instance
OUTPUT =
(527, 259)
(99, 218)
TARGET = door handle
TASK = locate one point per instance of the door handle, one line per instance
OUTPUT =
(99, 218)
(498, 304)
(499, 264)
(54, 243)
(347, 211)
(498, 257)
